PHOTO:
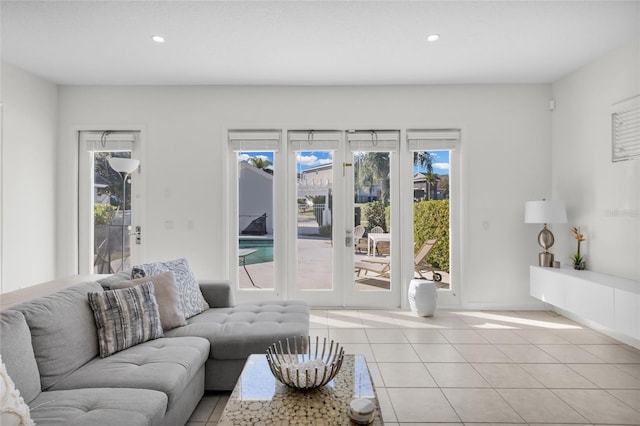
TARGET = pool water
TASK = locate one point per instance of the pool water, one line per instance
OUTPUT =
(264, 253)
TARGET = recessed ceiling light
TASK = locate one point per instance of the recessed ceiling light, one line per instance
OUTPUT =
(433, 37)
(157, 38)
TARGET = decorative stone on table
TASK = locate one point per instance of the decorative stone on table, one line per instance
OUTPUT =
(260, 399)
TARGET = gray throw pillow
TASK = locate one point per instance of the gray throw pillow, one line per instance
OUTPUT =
(191, 299)
(167, 296)
(125, 317)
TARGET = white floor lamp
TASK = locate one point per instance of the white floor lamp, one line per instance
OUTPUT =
(124, 166)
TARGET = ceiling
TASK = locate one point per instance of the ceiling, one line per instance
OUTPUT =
(311, 42)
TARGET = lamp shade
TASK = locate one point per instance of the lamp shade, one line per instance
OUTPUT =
(545, 211)
(123, 165)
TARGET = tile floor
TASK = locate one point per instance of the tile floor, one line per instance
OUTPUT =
(482, 367)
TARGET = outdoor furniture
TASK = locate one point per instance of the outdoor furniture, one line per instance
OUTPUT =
(383, 248)
(242, 254)
(359, 243)
(421, 265)
(380, 266)
(422, 297)
(374, 238)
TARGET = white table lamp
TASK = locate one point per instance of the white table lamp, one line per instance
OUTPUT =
(545, 211)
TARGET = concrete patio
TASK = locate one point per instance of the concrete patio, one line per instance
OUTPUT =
(315, 266)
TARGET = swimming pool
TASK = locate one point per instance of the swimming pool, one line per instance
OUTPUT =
(264, 246)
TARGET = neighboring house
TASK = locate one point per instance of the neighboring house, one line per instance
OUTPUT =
(255, 196)
(317, 175)
(423, 189)
(316, 181)
(323, 175)
(100, 183)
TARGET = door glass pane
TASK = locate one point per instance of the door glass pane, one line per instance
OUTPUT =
(255, 218)
(111, 215)
(314, 220)
(431, 219)
(372, 224)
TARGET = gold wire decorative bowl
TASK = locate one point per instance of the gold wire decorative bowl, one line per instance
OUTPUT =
(300, 365)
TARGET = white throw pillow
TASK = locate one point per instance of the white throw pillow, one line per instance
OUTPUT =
(192, 301)
(13, 410)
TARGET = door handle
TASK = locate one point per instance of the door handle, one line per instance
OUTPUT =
(348, 239)
(138, 234)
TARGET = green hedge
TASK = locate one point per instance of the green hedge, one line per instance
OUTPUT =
(431, 220)
(103, 214)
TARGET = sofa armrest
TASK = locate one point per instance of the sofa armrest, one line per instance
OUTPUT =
(217, 293)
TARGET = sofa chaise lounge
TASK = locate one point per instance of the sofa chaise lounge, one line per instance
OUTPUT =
(51, 351)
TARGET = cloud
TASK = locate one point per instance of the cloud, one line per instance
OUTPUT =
(307, 160)
(312, 160)
(245, 157)
(441, 166)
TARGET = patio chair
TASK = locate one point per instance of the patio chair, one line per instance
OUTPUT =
(359, 243)
(377, 230)
(420, 263)
(383, 248)
(382, 266)
(379, 266)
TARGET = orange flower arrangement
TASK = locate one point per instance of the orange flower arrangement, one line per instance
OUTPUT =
(578, 259)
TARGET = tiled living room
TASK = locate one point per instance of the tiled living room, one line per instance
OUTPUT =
(482, 367)
(538, 96)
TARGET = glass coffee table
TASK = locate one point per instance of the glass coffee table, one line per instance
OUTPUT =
(259, 398)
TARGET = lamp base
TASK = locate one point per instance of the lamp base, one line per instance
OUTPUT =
(545, 259)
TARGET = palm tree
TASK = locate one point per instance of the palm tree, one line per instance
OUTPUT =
(261, 163)
(371, 168)
(424, 159)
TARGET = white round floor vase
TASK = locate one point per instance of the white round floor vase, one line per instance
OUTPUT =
(422, 297)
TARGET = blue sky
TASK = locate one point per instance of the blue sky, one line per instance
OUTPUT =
(307, 159)
(440, 162)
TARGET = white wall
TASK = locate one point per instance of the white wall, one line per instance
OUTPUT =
(603, 198)
(505, 151)
(29, 133)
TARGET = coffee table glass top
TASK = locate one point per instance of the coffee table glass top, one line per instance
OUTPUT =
(259, 398)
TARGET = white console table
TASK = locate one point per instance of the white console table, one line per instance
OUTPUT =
(611, 302)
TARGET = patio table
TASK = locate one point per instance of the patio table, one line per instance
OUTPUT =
(374, 239)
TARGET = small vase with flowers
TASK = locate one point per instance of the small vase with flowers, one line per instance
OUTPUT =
(578, 259)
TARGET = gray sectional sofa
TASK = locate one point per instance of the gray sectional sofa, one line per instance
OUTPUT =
(50, 348)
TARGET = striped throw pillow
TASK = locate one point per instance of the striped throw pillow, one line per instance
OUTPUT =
(125, 317)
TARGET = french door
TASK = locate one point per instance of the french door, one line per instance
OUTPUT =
(336, 213)
(109, 216)
(373, 276)
(336, 175)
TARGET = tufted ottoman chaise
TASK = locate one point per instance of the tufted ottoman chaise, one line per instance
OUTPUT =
(235, 332)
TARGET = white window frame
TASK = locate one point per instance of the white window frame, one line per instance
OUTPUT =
(255, 140)
(116, 140)
(434, 140)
